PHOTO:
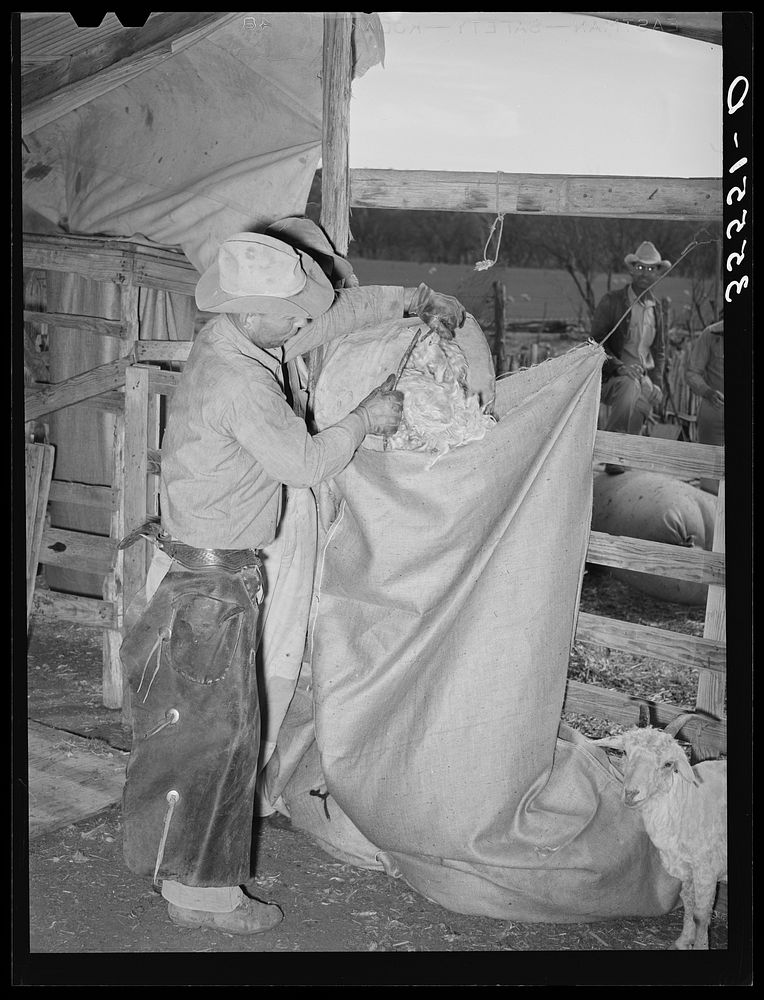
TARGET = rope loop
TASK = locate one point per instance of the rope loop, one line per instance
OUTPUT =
(485, 263)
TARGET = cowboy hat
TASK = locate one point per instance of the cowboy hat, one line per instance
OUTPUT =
(647, 254)
(255, 273)
(304, 234)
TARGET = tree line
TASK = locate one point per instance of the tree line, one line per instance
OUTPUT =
(526, 241)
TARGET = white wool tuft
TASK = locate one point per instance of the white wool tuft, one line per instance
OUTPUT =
(439, 413)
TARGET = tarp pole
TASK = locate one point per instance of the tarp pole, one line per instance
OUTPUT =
(335, 174)
(335, 171)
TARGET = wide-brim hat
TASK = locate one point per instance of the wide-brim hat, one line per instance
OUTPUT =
(646, 253)
(255, 273)
(304, 234)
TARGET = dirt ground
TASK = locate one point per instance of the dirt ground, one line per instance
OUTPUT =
(87, 917)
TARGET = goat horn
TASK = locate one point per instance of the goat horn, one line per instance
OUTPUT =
(678, 722)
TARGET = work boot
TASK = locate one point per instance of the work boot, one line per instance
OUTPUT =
(249, 917)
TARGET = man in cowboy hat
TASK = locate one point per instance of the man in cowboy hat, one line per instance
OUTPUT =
(232, 441)
(629, 323)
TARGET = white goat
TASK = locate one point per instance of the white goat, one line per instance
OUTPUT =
(684, 810)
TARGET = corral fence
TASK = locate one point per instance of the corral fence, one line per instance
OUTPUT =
(133, 388)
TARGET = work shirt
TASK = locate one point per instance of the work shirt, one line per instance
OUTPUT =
(636, 347)
(232, 439)
(705, 369)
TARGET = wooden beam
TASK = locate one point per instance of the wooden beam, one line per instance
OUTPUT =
(645, 640)
(112, 686)
(39, 470)
(127, 572)
(76, 550)
(109, 402)
(74, 390)
(67, 781)
(89, 324)
(337, 77)
(134, 477)
(161, 350)
(711, 686)
(705, 26)
(119, 261)
(65, 85)
(335, 176)
(164, 383)
(659, 558)
(673, 458)
(66, 491)
(681, 198)
(588, 699)
(86, 611)
(167, 272)
(99, 260)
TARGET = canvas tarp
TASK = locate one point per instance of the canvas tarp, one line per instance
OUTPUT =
(424, 737)
(222, 136)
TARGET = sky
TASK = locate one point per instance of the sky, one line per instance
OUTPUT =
(538, 92)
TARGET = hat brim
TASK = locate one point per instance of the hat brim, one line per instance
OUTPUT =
(631, 258)
(311, 301)
(301, 233)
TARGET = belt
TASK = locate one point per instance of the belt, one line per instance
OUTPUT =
(232, 560)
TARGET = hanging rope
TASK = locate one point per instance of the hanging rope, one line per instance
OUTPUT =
(497, 227)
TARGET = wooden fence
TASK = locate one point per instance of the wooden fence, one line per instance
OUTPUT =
(133, 386)
(131, 266)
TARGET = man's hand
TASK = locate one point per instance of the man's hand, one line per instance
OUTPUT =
(382, 409)
(716, 399)
(442, 313)
(653, 391)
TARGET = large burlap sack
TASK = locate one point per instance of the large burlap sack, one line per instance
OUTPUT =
(442, 619)
(662, 509)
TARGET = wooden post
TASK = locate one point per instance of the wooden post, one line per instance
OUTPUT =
(335, 173)
(710, 699)
(35, 300)
(39, 470)
(112, 684)
(135, 504)
(499, 324)
(135, 481)
(114, 582)
(337, 75)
